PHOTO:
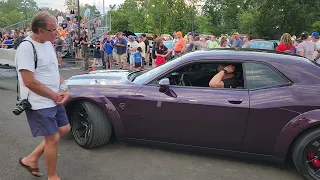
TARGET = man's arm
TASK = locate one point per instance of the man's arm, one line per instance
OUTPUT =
(122, 43)
(216, 81)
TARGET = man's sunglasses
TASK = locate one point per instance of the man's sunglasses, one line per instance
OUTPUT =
(54, 30)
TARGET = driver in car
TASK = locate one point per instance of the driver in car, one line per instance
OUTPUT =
(225, 77)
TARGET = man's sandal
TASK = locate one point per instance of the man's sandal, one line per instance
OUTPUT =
(30, 169)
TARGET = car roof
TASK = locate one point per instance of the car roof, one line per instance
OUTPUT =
(245, 54)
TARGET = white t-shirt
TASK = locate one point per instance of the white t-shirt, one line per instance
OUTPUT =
(308, 48)
(316, 52)
(133, 44)
(47, 71)
(143, 47)
(60, 19)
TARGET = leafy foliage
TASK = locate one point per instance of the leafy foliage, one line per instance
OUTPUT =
(259, 18)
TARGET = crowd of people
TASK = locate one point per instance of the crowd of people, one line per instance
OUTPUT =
(67, 31)
(128, 50)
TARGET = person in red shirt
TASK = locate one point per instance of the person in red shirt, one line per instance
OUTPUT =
(286, 44)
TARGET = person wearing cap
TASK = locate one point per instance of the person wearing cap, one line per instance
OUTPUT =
(180, 44)
(315, 39)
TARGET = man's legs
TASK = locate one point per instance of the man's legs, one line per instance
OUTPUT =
(103, 59)
(53, 124)
(33, 158)
(124, 61)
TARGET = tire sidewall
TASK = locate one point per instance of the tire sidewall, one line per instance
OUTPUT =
(298, 153)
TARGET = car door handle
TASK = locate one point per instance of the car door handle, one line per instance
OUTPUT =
(235, 101)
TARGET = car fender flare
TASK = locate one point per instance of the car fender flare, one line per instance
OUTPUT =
(293, 129)
(106, 105)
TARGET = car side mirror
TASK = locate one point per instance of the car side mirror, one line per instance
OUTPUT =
(164, 85)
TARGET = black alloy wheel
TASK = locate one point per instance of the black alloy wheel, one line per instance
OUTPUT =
(306, 155)
(90, 125)
(311, 157)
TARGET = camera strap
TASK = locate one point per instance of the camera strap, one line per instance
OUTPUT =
(35, 57)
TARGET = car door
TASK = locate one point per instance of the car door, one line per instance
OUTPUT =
(270, 106)
(188, 115)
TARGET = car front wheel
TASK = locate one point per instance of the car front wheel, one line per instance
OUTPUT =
(306, 155)
(90, 125)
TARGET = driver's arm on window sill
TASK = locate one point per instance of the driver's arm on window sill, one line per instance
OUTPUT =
(216, 81)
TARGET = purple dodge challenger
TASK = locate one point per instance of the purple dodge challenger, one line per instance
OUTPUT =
(273, 114)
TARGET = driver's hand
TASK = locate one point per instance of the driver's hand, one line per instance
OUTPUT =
(230, 68)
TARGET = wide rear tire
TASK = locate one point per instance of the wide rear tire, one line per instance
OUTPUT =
(90, 125)
(305, 153)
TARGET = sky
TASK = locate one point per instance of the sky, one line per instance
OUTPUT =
(59, 4)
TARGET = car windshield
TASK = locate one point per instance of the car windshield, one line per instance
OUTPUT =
(145, 75)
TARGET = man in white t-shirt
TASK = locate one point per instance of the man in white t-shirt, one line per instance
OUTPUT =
(39, 84)
(306, 47)
(143, 47)
(132, 48)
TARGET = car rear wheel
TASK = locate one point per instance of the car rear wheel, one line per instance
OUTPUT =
(90, 125)
(306, 155)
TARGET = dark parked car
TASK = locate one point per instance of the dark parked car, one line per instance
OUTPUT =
(274, 113)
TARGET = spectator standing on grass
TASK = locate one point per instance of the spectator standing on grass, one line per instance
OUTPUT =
(47, 118)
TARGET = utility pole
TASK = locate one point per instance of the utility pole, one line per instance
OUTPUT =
(192, 18)
(103, 7)
(78, 18)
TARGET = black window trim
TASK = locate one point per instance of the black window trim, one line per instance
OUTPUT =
(266, 87)
(150, 83)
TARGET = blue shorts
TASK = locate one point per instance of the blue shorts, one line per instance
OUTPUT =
(46, 122)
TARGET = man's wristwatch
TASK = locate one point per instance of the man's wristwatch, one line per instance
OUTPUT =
(225, 71)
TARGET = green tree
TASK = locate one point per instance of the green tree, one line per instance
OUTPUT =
(14, 11)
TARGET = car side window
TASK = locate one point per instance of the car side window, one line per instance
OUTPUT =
(198, 74)
(259, 75)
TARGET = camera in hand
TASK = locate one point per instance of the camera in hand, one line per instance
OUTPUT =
(22, 106)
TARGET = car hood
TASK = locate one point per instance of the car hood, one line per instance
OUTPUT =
(102, 77)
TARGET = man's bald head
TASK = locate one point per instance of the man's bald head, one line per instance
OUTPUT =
(41, 20)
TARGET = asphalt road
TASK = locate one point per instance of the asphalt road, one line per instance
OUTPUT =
(118, 160)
